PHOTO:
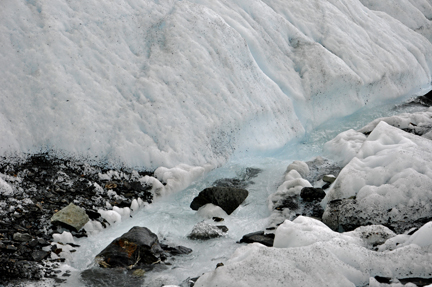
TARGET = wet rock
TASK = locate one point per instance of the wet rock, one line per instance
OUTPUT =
(311, 193)
(175, 250)
(112, 277)
(227, 198)
(259, 237)
(22, 237)
(205, 231)
(138, 246)
(72, 216)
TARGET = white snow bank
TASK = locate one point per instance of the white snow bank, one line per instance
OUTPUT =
(160, 83)
(391, 171)
(308, 253)
(332, 263)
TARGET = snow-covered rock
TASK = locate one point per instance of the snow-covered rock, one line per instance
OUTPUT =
(388, 182)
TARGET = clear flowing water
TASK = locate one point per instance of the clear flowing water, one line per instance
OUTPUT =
(172, 219)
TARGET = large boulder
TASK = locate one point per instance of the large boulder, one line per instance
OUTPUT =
(226, 197)
(136, 247)
(72, 217)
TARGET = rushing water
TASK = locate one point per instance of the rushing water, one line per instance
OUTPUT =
(172, 219)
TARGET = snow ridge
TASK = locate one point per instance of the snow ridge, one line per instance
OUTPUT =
(149, 83)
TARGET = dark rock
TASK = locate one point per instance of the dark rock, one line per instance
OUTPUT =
(22, 237)
(175, 250)
(39, 255)
(220, 264)
(311, 193)
(385, 280)
(325, 186)
(346, 215)
(260, 237)
(33, 243)
(218, 219)
(43, 242)
(11, 248)
(226, 198)
(111, 277)
(425, 100)
(92, 214)
(138, 246)
(420, 282)
(290, 202)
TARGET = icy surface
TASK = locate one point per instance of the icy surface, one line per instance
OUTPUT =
(391, 171)
(162, 83)
(330, 263)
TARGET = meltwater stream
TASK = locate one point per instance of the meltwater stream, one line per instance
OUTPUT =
(172, 219)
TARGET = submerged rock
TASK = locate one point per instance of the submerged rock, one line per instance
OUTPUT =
(137, 246)
(242, 181)
(72, 216)
(225, 197)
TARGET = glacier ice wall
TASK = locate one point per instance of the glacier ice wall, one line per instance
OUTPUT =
(159, 83)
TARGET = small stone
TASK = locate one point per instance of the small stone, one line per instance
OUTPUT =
(39, 255)
(218, 219)
(11, 248)
(22, 237)
(329, 178)
(259, 237)
(220, 264)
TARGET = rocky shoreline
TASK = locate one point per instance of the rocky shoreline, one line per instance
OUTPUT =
(34, 189)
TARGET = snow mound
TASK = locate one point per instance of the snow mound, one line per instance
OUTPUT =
(161, 83)
(344, 146)
(389, 179)
(310, 254)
